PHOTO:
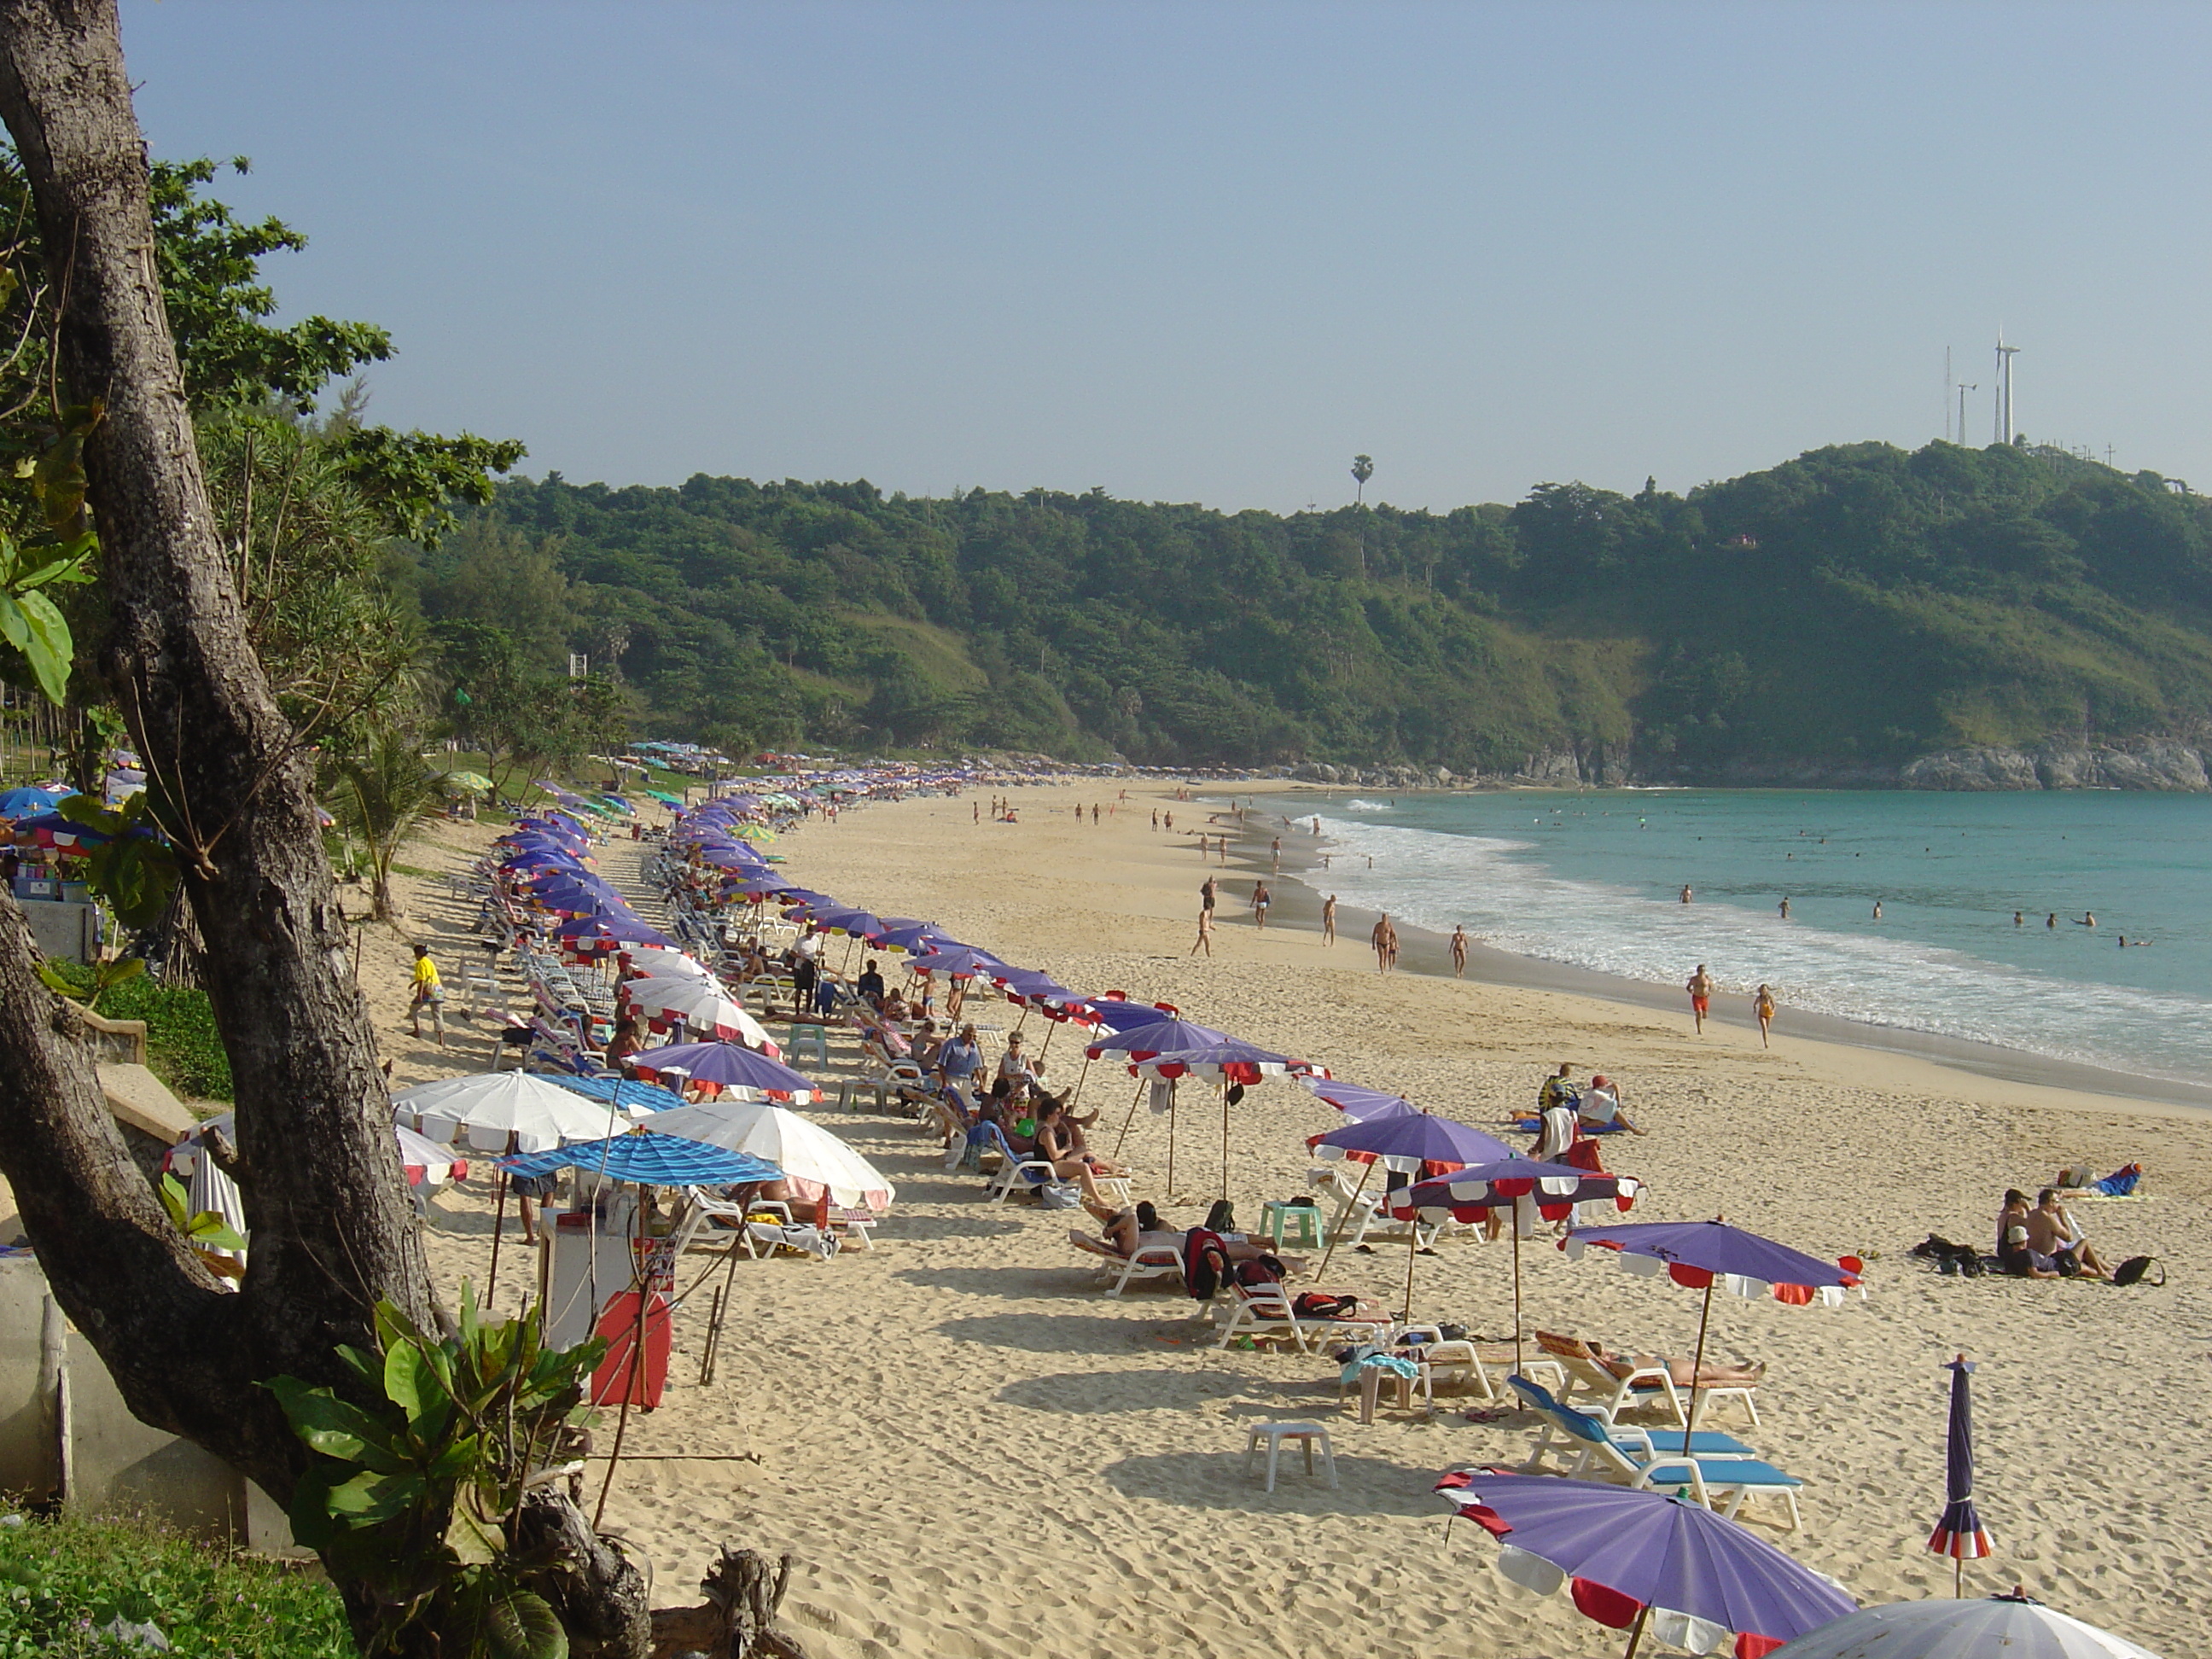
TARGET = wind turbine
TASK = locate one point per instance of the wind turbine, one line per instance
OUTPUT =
(2004, 391)
(1964, 388)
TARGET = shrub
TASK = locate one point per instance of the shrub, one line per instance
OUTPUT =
(63, 1581)
(183, 1048)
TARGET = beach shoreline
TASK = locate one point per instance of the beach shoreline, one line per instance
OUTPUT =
(1302, 881)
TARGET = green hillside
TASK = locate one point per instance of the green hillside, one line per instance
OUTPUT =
(1857, 605)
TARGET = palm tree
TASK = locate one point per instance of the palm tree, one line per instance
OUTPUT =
(382, 797)
(1362, 469)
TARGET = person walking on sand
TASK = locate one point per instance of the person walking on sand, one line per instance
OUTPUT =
(1329, 919)
(1168, 821)
(1261, 898)
(1459, 952)
(428, 993)
(1156, 820)
(1700, 987)
(1208, 895)
(1384, 938)
(1762, 1006)
(1277, 850)
(1204, 940)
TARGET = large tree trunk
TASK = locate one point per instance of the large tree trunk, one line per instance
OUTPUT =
(319, 1171)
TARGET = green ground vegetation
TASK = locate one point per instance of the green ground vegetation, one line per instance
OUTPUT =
(183, 1048)
(1860, 604)
(63, 1583)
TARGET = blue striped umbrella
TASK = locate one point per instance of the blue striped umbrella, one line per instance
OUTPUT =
(649, 1161)
(1960, 1534)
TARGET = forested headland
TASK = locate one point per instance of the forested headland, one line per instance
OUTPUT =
(1842, 613)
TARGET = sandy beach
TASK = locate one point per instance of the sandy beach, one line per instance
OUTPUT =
(972, 1451)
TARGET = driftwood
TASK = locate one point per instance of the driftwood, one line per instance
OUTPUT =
(737, 1619)
(597, 1591)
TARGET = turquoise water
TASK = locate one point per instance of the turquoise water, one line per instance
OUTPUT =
(1594, 879)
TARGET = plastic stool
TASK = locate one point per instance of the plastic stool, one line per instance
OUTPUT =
(1272, 1436)
(1276, 1217)
(816, 1036)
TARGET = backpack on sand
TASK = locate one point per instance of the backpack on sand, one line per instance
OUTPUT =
(2131, 1271)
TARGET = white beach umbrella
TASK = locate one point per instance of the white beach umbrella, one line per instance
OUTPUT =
(500, 1111)
(426, 1162)
(2020, 1627)
(704, 1006)
(812, 1160)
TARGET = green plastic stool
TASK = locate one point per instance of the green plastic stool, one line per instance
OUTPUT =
(1303, 1219)
(816, 1036)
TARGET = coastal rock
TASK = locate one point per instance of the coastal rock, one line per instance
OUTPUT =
(2066, 766)
(1970, 769)
(1552, 766)
(2166, 766)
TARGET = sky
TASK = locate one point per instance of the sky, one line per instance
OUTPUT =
(1207, 252)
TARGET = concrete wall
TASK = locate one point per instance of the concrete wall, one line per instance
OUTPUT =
(66, 1436)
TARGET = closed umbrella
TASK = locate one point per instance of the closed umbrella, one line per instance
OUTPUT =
(815, 1162)
(1958, 1533)
(1634, 1559)
(2013, 1626)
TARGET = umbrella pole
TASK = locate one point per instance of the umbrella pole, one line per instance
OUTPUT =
(1336, 1232)
(1636, 1635)
(1698, 1365)
(721, 1309)
(498, 1226)
(1958, 1577)
(1515, 1224)
(1042, 1053)
(1132, 1118)
(1224, 1135)
(1076, 1099)
(1412, 1239)
(1172, 1092)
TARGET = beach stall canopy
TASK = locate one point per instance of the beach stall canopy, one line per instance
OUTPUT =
(814, 1161)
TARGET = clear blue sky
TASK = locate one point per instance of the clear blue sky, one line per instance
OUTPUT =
(1206, 253)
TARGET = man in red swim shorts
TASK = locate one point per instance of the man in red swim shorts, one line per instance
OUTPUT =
(1701, 989)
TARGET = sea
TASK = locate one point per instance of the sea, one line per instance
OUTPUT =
(1984, 899)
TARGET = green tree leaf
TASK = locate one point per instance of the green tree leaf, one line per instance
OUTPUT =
(519, 1624)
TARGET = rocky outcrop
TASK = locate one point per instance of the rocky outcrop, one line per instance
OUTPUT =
(2153, 765)
(1970, 768)
(2156, 765)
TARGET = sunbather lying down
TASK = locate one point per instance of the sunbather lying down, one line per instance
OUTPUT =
(1712, 1374)
(1126, 1231)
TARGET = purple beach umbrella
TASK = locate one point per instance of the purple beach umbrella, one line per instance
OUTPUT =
(1633, 1558)
(726, 1064)
(1699, 1254)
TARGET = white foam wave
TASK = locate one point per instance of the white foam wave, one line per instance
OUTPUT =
(1440, 881)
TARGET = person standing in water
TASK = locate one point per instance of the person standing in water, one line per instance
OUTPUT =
(1762, 1006)
(1276, 848)
(1459, 952)
(2016, 920)
(1877, 909)
(1784, 908)
(1329, 919)
(1686, 894)
(1700, 987)
(2051, 920)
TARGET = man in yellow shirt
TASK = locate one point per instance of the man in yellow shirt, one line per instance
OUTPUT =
(428, 994)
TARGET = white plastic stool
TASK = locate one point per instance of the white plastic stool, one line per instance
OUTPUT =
(1272, 1435)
